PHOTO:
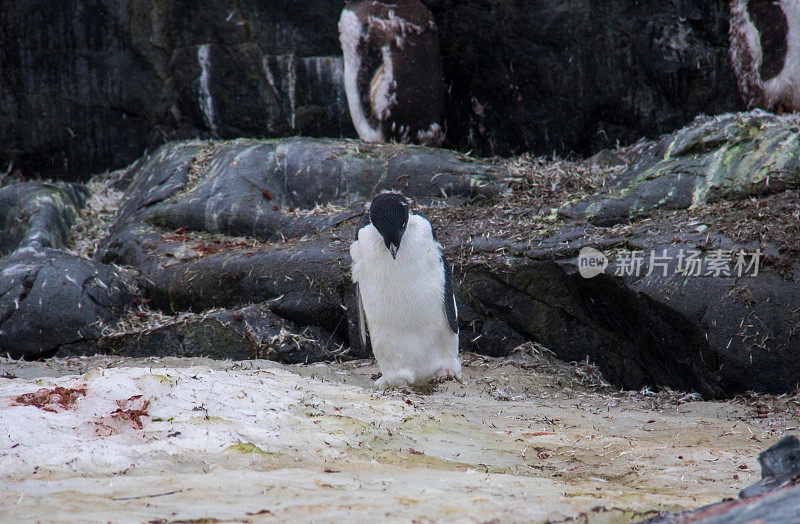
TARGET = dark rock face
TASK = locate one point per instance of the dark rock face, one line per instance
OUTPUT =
(535, 76)
(37, 214)
(269, 190)
(131, 75)
(776, 498)
(49, 299)
(716, 335)
(576, 75)
(265, 189)
(246, 333)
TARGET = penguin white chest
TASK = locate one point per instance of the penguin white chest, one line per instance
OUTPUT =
(403, 302)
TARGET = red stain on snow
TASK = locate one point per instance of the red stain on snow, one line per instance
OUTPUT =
(51, 399)
(132, 410)
(126, 417)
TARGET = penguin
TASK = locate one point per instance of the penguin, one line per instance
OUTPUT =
(404, 296)
(393, 71)
(765, 53)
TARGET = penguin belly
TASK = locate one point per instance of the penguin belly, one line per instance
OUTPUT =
(403, 305)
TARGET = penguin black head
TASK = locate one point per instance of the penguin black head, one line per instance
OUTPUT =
(389, 214)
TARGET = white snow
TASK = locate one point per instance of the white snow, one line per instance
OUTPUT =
(212, 410)
(246, 441)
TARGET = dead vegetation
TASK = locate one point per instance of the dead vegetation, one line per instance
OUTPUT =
(95, 219)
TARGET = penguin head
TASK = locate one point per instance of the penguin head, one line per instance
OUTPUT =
(388, 212)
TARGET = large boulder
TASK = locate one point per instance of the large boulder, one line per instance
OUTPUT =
(726, 157)
(227, 224)
(38, 214)
(571, 75)
(271, 189)
(50, 299)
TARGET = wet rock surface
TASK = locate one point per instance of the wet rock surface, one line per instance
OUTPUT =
(50, 299)
(574, 75)
(38, 214)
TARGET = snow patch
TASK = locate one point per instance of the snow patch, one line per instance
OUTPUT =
(137, 416)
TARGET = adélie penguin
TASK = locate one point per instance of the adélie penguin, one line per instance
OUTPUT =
(404, 294)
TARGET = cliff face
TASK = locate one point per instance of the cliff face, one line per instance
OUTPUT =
(89, 85)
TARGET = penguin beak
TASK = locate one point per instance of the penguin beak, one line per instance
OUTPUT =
(393, 250)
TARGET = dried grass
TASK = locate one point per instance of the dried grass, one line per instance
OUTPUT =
(95, 219)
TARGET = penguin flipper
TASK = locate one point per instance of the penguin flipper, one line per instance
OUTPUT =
(449, 297)
(450, 309)
(362, 320)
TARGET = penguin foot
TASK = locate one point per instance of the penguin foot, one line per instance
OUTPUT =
(444, 375)
(404, 389)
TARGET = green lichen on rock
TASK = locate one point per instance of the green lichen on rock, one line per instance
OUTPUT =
(726, 157)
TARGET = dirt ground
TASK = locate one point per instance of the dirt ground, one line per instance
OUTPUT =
(522, 439)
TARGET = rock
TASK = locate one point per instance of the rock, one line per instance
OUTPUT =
(38, 214)
(98, 104)
(578, 75)
(726, 157)
(529, 76)
(252, 332)
(269, 189)
(715, 334)
(294, 201)
(776, 498)
(49, 299)
(724, 325)
(202, 233)
(780, 465)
